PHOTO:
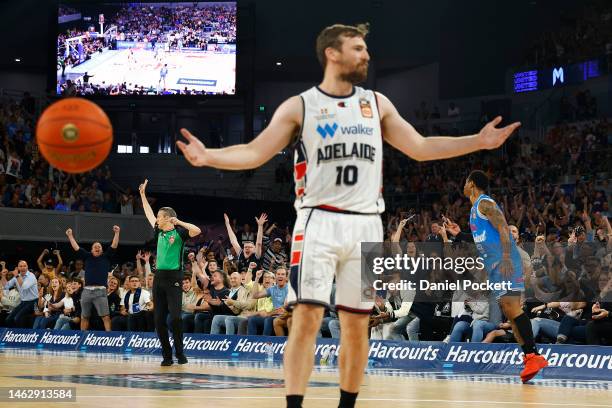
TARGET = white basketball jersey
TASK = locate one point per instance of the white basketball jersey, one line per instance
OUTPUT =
(338, 158)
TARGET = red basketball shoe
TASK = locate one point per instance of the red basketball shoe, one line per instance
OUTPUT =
(533, 364)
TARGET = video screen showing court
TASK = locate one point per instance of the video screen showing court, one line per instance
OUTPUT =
(110, 49)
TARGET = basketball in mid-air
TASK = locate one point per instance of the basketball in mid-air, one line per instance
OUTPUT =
(74, 135)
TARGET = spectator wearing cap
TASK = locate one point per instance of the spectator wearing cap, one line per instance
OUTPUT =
(47, 268)
(275, 256)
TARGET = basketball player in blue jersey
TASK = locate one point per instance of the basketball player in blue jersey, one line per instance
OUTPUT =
(503, 264)
(337, 130)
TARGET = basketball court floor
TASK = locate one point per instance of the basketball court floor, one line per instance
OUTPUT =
(112, 380)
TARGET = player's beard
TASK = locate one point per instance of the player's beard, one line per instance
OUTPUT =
(357, 76)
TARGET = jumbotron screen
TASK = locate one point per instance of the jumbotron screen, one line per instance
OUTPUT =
(132, 48)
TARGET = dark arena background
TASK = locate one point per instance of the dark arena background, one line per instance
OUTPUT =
(221, 70)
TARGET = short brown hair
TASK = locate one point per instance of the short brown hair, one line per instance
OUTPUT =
(169, 211)
(331, 37)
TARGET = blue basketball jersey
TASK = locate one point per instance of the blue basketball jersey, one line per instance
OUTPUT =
(488, 243)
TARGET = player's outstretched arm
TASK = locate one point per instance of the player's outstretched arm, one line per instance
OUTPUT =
(284, 125)
(404, 137)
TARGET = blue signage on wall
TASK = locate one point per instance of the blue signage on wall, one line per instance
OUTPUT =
(584, 362)
(546, 78)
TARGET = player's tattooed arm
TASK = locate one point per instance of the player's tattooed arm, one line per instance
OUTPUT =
(497, 219)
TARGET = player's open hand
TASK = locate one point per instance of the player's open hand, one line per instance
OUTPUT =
(491, 137)
(194, 151)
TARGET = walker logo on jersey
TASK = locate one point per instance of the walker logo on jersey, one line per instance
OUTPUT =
(358, 129)
(171, 239)
(327, 130)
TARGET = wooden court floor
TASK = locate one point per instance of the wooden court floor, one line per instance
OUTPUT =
(108, 380)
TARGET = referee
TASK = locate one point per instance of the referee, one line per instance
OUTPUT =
(171, 235)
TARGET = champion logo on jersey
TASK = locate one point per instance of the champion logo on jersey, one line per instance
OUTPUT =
(327, 130)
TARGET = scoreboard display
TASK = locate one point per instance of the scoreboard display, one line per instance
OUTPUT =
(546, 78)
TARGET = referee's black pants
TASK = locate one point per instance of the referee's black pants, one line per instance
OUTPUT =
(167, 298)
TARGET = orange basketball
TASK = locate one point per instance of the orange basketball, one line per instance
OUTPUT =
(74, 135)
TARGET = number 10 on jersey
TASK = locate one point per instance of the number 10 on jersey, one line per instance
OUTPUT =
(346, 175)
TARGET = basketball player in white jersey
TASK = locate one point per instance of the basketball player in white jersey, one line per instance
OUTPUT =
(337, 130)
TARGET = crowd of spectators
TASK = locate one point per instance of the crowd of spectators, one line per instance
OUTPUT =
(79, 87)
(562, 227)
(64, 10)
(238, 283)
(580, 36)
(179, 26)
(171, 28)
(28, 181)
(79, 51)
(584, 107)
(576, 150)
(225, 287)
